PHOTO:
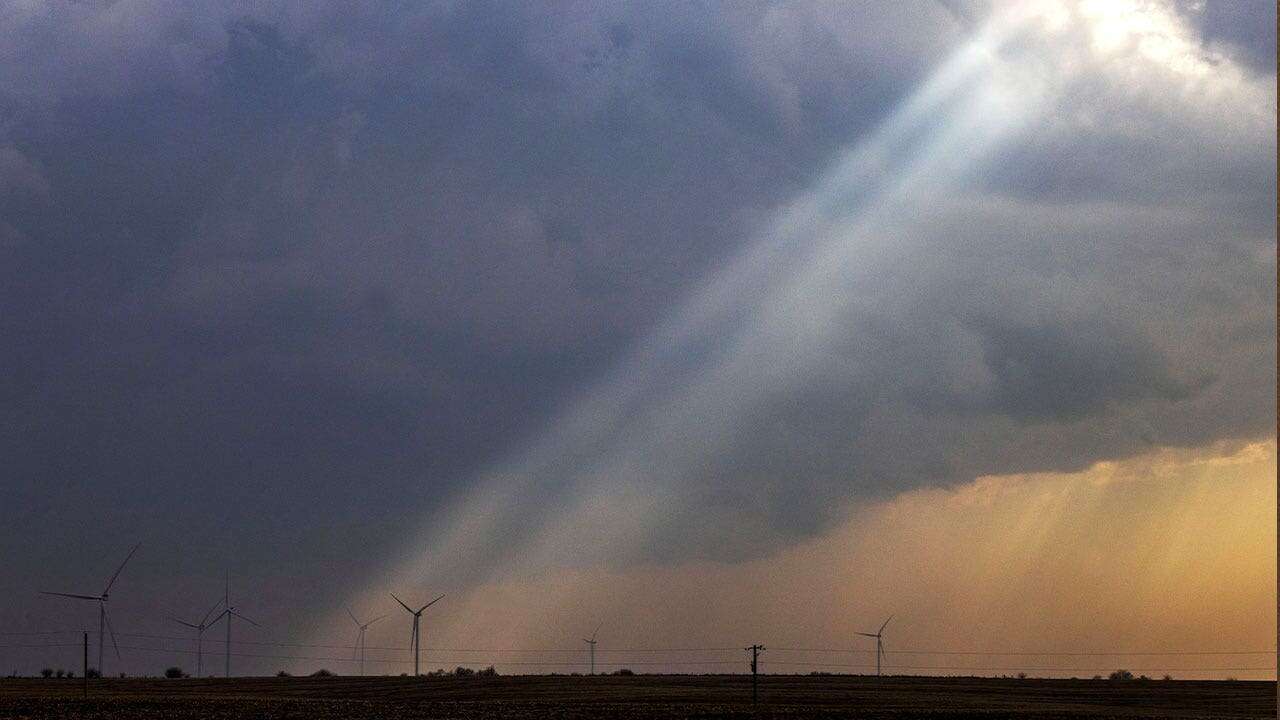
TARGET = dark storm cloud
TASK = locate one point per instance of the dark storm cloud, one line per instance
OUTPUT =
(1244, 30)
(280, 281)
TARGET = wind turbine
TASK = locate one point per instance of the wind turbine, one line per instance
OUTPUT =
(879, 636)
(592, 644)
(229, 611)
(417, 619)
(103, 622)
(359, 646)
(199, 627)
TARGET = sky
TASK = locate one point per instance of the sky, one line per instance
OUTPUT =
(694, 322)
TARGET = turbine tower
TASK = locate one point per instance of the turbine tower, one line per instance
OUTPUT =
(229, 611)
(415, 635)
(199, 627)
(879, 636)
(104, 625)
(592, 644)
(360, 643)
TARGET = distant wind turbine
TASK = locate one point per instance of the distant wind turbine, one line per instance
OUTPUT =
(360, 642)
(229, 611)
(103, 622)
(592, 644)
(415, 636)
(199, 627)
(879, 636)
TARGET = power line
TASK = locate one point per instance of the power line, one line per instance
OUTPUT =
(1031, 653)
(617, 657)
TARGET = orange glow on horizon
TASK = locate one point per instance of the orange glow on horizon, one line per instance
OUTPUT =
(1173, 550)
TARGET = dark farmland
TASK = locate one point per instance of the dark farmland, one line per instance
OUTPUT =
(642, 696)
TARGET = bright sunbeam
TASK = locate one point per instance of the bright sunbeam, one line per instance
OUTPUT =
(608, 474)
(626, 471)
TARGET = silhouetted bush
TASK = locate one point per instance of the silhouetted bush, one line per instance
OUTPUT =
(283, 673)
(1120, 675)
(59, 672)
(463, 672)
(626, 672)
(71, 673)
(322, 672)
(1167, 677)
(92, 673)
(1022, 676)
(174, 672)
(46, 673)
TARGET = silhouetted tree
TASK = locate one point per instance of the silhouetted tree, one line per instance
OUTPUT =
(59, 672)
(1120, 675)
(46, 673)
(283, 673)
(174, 672)
(92, 673)
(322, 672)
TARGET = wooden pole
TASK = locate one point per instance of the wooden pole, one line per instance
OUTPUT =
(755, 665)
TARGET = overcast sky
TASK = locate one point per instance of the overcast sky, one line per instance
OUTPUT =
(352, 299)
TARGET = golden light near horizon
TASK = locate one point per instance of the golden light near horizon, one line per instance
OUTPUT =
(1169, 551)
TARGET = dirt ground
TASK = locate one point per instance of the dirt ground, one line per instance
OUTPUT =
(642, 696)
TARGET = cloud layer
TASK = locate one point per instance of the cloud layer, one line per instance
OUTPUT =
(281, 281)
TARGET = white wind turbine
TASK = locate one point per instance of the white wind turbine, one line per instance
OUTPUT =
(592, 644)
(415, 636)
(104, 625)
(879, 636)
(229, 611)
(360, 639)
(199, 627)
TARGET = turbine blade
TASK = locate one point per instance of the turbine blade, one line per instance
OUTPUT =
(886, 622)
(355, 648)
(433, 602)
(111, 630)
(353, 616)
(374, 620)
(205, 619)
(406, 607)
(183, 622)
(597, 632)
(866, 634)
(70, 595)
(214, 621)
(242, 617)
(117, 572)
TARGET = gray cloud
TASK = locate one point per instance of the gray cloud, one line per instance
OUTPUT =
(281, 281)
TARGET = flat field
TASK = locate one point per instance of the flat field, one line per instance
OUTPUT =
(641, 696)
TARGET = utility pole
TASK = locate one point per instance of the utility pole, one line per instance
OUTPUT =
(755, 667)
(86, 664)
